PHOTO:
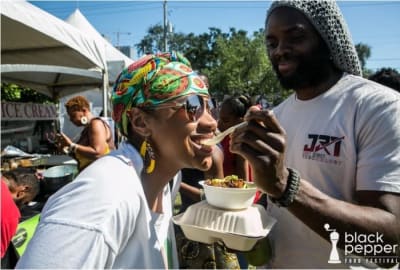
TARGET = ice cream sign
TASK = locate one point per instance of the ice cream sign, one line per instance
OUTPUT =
(28, 111)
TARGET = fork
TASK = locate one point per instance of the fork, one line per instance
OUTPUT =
(220, 136)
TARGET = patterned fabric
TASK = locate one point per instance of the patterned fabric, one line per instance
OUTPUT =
(327, 19)
(195, 255)
(153, 80)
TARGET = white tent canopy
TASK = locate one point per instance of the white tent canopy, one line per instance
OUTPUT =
(53, 81)
(29, 35)
(115, 59)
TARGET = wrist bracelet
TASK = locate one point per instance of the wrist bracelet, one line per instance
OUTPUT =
(73, 147)
(66, 150)
(291, 190)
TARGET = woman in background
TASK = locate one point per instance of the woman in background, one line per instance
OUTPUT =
(96, 138)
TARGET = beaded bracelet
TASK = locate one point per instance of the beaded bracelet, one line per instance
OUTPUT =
(291, 190)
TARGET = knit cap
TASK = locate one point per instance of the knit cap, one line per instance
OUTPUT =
(328, 20)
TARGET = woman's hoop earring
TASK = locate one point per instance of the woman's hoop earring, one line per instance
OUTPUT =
(84, 120)
(147, 153)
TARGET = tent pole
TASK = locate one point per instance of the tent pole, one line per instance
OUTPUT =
(105, 94)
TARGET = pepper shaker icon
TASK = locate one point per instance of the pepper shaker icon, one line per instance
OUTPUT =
(334, 237)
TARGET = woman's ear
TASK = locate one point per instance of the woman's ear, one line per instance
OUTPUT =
(139, 123)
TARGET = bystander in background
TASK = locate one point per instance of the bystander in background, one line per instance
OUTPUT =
(96, 139)
(18, 188)
(388, 77)
(231, 113)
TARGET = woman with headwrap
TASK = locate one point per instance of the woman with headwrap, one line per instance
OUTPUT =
(117, 212)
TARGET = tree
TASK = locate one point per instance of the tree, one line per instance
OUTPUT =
(15, 93)
(153, 41)
(363, 52)
(243, 66)
(233, 62)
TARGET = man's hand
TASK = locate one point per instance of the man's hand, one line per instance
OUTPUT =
(263, 142)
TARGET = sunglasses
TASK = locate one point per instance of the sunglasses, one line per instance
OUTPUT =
(195, 106)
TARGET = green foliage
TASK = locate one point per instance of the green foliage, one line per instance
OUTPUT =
(363, 52)
(233, 61)
(14, 93)
(244, 67)
(153, 41)
(10, 92)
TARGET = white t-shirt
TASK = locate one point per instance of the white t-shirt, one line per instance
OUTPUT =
(102, 220)
(344, 140)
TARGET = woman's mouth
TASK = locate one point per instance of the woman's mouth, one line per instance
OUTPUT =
(198, 145)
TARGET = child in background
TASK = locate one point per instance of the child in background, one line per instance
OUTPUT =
(231, 113)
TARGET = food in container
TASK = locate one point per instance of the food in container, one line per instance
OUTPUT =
(238, 229)
(231, 181)
(229, 193)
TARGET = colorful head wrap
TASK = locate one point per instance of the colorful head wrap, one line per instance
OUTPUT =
(327, 19)
(153, 80)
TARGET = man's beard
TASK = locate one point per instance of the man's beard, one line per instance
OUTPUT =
(312, 70)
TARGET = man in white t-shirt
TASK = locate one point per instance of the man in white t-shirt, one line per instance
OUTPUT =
(328, 157)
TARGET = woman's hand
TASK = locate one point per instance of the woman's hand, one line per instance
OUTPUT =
(62, 141)
(263, 142)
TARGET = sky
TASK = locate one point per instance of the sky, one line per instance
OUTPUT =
(125, 23)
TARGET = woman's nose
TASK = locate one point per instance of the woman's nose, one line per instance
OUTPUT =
(208, 120)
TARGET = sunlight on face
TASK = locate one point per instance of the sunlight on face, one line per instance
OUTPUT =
(177, 137)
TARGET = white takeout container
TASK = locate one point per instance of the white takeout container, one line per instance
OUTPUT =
(230, 198)
(237, 229)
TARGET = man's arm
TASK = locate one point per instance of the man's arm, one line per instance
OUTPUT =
(375, 212)
(263, 143)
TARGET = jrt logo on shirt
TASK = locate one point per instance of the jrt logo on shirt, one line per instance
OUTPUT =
(323, 148)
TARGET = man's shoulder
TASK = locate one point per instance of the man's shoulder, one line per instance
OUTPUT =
(366, 87)
(363, 92)
(287, 102)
